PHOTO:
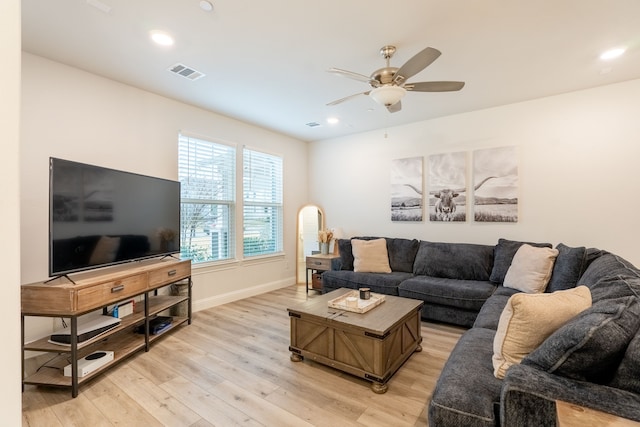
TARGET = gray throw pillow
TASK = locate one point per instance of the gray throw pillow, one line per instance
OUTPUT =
(503, 255)
(568, 268)
(591, 345)
(346, 253)
(402, 253)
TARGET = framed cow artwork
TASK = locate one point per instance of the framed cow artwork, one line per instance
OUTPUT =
(406, 189)
(495, 192)
(447, 179)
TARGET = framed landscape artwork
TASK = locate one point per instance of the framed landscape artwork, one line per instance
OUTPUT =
(406, 189)
(447, 187)
(495, 178)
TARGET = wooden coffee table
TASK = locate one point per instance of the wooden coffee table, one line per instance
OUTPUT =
(371, 345)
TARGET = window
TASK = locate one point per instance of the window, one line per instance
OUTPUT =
(207, 172)
(262, 197)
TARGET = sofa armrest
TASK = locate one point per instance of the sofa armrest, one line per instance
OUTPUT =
(336, 264)
(528, 397)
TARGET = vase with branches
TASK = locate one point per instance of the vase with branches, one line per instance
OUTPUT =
(324, 238)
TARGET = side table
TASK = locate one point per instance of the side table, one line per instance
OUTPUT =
(317, 264)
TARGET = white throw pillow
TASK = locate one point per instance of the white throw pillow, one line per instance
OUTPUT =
(528, 319)
(370, 256)
(530, 269)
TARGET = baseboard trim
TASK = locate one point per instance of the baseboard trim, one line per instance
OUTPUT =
(214, 301)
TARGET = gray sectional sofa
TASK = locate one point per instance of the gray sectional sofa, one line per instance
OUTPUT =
(593, 360)
(453, 279)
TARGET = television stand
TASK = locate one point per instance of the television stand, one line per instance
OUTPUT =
(93, 291)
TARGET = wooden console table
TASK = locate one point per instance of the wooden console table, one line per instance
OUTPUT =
(94, 291)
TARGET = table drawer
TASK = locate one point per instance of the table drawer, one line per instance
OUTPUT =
(169, 274)
(323, 264)
(109, 292)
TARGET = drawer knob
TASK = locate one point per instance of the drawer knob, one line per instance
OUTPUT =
(117, 289)
(172, 273)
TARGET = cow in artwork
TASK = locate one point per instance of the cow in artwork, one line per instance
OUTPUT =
(445, 206)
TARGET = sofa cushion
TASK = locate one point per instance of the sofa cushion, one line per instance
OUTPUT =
(503, 254)
(607, 265)
(568, 268)
(465, 294)
(381, 283)
(447, 314)
(402, 254)
(467, 393)
(627, 376)
(370, 256)
(590, 346)
(491, 310)
(615, 287)
(454, 260)
(528, 319)
(530, 269)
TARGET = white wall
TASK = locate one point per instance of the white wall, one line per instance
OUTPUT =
(578, 162)
(71, 114)
(10, 392)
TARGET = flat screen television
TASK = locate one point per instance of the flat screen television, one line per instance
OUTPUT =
(100, 217)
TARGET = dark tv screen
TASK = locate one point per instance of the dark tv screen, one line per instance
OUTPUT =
(100, 216)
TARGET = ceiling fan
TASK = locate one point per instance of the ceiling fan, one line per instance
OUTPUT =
(389, 84)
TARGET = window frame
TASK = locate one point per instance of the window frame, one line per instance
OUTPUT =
(226, 203)
(276, 203)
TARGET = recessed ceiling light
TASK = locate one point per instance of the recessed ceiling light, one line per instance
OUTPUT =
(161, 38)
(612, 53)
(333, 120)
(206, 6)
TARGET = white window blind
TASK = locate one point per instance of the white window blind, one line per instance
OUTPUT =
(262, 197)
(207, 173)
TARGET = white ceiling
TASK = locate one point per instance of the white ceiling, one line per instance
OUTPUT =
(265, 61)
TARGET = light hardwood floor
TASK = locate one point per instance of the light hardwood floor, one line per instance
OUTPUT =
(231, 367)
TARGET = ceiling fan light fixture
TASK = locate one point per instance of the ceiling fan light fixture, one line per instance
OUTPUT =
(387, 95)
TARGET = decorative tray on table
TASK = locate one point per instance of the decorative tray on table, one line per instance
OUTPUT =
(346, 302)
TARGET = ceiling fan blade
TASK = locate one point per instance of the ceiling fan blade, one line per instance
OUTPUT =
(351, 75)
(434, 86)
(395, 107)
(419, 62)
(346, 98)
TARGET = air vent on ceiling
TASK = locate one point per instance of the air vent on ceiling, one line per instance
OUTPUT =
(313, 124)
(186, 72)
